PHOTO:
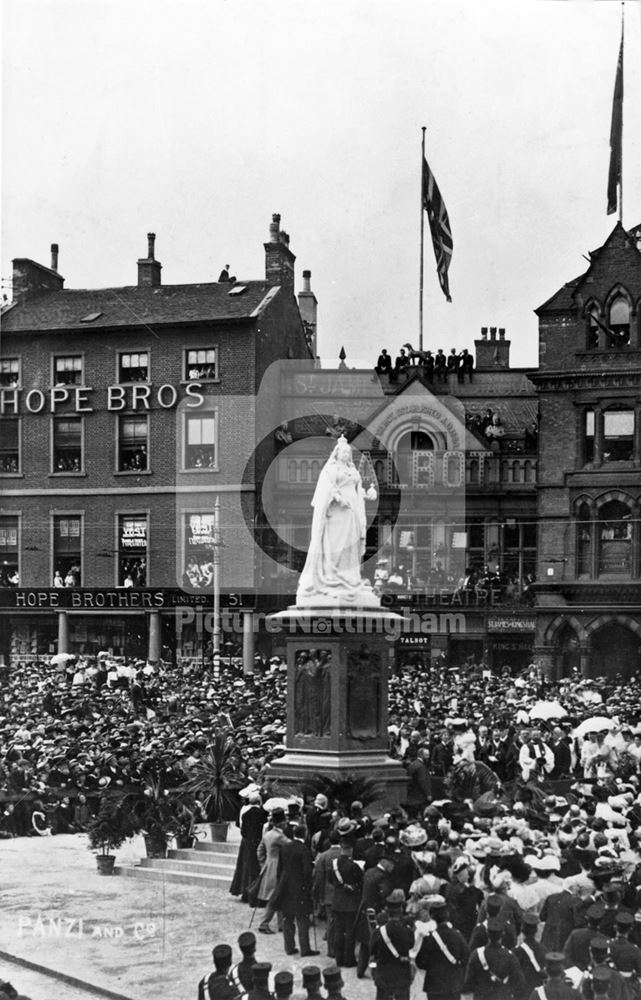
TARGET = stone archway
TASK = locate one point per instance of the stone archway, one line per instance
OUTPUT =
(615, 648)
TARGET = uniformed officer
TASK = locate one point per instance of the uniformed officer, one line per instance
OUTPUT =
(555, 986)
(390, 948)
(241, 973)
(530, 955)
(626, 955)
(312, 982)
(217, 985)
(577, 946)
(283, 985)
(443, 955)
(333, 982)
(600, 961)
(260, 976)
(493, 972)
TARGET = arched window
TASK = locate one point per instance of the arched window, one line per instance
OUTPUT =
(615, 538)
(594, 334)
(584, 541)
(410, 444)
(619, 321)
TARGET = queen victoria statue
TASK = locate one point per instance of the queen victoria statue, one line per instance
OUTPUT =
(332, 574)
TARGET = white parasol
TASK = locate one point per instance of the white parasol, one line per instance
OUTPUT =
(61, 658)
(548, 710)
(596, 725)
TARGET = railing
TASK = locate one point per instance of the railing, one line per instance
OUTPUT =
(424, 470)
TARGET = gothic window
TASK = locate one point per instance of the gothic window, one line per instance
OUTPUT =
(614, 536)
(619, 322)
(584, 541)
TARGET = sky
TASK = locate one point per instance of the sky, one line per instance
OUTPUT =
(197, 119)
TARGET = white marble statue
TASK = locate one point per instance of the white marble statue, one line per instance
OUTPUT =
(332, 574)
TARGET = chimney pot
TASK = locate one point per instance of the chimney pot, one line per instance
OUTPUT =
(54, 256)
(274, 229)
(484, 332)
(492, 333)
(306, 281)
(501, 333)
(151, 239)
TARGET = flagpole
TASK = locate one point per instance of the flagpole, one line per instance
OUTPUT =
(420, 311)
(623, 63)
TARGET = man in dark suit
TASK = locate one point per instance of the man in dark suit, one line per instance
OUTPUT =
(562, 756)
(293, 895)
(377, 886)
(443, 955)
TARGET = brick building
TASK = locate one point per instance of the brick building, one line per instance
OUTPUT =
(589, 489)
(456, 514)
(124, 414)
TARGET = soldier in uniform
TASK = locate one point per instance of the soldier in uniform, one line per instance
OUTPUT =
(241, 973)
(626, 955)
(347, 880)
(260, 977)
(577, 946)
(283, 985)
(555, 986)
(600, 961)
(312, 982)
(333, 982)
(376, 888)
(390, 948)
(531, 956)
(217, 985)
(493, 972)
(443, 955)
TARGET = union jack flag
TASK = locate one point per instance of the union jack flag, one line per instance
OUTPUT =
(439, 227)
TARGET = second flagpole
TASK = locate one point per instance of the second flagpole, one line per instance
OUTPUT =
(420, 307)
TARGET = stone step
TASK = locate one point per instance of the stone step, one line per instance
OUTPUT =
(178, 865)
(171, 875)
(217, 847)
(206, 857)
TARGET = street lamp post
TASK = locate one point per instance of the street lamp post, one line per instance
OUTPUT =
(216, 582)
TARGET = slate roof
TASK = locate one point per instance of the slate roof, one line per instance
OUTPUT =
(133, 306)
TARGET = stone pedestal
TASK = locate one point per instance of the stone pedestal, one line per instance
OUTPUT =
(337, 700)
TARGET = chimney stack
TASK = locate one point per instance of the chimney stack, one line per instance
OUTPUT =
(148, 267)
(279, 260)
(31, 279)
(308, 307)
(494, 353)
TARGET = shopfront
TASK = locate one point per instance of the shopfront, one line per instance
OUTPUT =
(510, 641)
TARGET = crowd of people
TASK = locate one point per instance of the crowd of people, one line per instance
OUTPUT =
(510, 870)
(510, 865)
(436, 367)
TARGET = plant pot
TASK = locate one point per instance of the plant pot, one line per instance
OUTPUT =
(105, 863)
(184, 840)
(219, 832)
(154, 847)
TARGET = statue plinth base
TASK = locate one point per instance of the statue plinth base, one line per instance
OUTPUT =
(337, 696)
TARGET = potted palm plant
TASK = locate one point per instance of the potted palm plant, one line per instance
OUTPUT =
(108, 830)
(214, 782)
(155, 814)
